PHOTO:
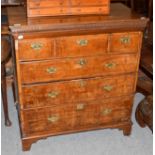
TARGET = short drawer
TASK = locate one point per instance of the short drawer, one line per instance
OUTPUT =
(58, 93)
(82, 45)
(70, 117)
(50, 11)
(102, 9)
(47, 3)
(125, 42)
(71, 68)
(33, 49)
(45, 120)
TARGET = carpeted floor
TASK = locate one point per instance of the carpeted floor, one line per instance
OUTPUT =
(100, 142)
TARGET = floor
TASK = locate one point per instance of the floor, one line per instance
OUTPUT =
(100, 142)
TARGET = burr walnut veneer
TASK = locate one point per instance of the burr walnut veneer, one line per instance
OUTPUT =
(75, 73)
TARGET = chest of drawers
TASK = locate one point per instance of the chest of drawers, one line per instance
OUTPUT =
(76, 73)
(66, 7)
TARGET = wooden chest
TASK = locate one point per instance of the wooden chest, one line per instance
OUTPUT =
(66, 7)
(76, 73)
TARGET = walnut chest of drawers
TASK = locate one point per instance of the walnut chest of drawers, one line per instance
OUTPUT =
(75, 73)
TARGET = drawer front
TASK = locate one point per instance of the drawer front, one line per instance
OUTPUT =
(49, 119)
(101, 112)
(33, 49)
(76, 90)
(67, 3)
(67, 11)
(82, 45)
(69, 68)
(75, 116)
(48, 3)
(125, 42)
(48, 11)
(115, 110)
(89, 3)
(90, 10)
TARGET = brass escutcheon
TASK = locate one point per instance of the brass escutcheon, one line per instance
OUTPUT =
(53, 119)
(53, 94)
(36, 46)
(125, 40)
(108, 87)
(82, 42)
(110, 65)
(82, 62)
(106, 112)
(51, 70)
(80, 106)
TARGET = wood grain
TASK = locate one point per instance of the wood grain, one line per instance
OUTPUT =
(66, 7)
(121, 19)
(27, 51)
(81, 90)
(71, 68)
(75, 73)
(37, 121)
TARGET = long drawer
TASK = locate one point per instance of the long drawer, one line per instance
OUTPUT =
(66, 11)
(71, 68)
(58, 93)
(73, 116)
(61, 3)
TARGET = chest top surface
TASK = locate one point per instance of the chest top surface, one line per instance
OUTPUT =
(120, 18)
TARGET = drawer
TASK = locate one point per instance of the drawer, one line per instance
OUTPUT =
(60, 3)
(48, 3)
(115, 110)
(50, 119)
(89, 3)
(33, 49)
(48, 11)
(125, 42)
(82, 45)
(55, 11)
(103, 112)
(76, 90)
(62, 118)
(71, 68)
(102, 9)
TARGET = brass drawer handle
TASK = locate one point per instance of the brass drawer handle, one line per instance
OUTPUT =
(106, 112)
(82, 42)
(36, 46)
(82, 62)
(53, 119)
(80, 106)
(53, 94)
(125, 40)
(51, 70)
(110, 65)
(108, 88)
